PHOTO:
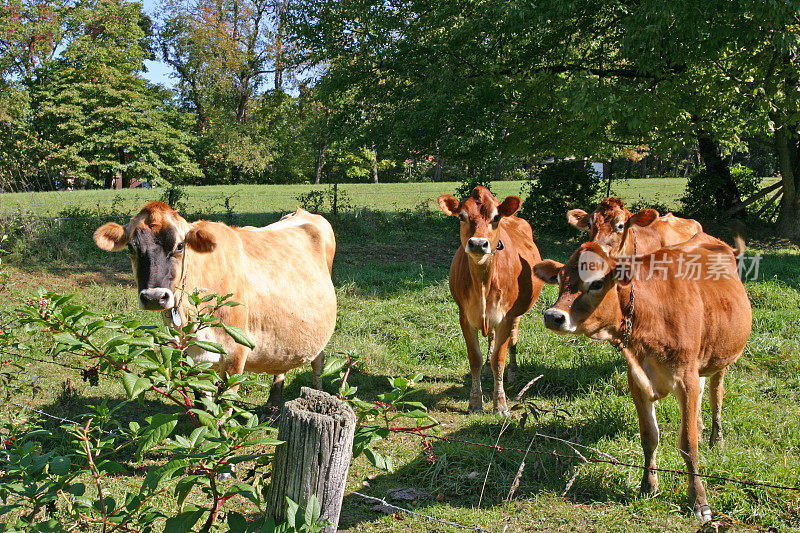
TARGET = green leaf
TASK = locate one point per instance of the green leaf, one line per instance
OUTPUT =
(238, 335)
(208, 346)
(236, 522)
(184, 522)
(291, 512)
(378, 460)
(59, 465)
(135, 385)
(313, 510)
(161, 426)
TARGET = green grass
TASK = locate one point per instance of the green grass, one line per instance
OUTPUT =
(387, 197)
(395, 311)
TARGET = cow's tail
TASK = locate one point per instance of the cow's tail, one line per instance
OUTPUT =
(737, 228)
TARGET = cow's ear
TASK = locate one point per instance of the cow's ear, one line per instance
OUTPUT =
(509, 206)
(548, 270)
(201, 240)
(449, 204)
(111, 237)
(643, 218)
(578, 218)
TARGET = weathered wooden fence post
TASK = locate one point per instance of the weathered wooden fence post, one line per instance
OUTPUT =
(318, 430)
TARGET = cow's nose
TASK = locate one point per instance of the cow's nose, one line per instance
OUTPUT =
(156, 299)
(478, 245)
(555, 319)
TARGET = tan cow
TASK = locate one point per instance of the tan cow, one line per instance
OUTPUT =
(674, 323)
(609, 225)
(281, 274)
(492, 281)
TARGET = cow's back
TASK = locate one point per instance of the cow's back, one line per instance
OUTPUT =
(709, 318)
(281, 273)
(666, 230)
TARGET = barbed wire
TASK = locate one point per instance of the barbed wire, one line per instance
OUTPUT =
(611, 460)
(422, 515)
(54, 417)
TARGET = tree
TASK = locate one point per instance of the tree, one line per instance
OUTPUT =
(98, 119)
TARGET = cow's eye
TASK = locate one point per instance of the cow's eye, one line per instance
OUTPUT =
(131, 248)
(462, 217)
(179, 247)
(496, 219)
(619, 227)
(596, 285)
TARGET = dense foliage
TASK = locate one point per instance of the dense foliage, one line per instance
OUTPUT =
(278, 91)
(555, 190)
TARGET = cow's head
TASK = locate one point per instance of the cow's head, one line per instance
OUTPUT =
(157, 240)
(587, 301)
(607, 225)
(480, 214)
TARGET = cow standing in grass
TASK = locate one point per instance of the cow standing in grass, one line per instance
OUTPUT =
(281, 274)
(679, 314)
(492, 281)
(619, 232)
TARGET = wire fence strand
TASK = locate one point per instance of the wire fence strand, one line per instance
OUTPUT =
(422, 515)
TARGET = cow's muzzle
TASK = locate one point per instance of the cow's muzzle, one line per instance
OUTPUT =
(558, 320)
(156, 299)
(478, 245)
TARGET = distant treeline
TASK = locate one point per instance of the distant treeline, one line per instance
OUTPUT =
(289, 91)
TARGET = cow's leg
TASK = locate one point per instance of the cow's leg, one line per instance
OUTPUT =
(700, 426)
(487, 367)
(316, 367)
(688, 392)
(503, 334)
(275, 399)
(648, 433)
(716, 392)
(511, 370)
(475, 364)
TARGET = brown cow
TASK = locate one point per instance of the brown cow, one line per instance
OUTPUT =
(609, 225)
(674, 323)
(492, 281)
(281, 274)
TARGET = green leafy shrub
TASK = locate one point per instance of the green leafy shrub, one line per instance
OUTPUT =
(557, 189)
(698, 199)
(329, 200)
(52, 478)
(470, 182)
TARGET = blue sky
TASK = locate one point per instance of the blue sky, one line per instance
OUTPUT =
(157, 72)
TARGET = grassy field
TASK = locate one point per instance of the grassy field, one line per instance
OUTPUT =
(396, 313)
(387, 197)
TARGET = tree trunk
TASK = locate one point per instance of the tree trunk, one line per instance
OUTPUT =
(498, 167)
(317, 430)
(126, 178)
(321, 149)
(438, 162)
(726, 194)
(788, 150)
(374, 164)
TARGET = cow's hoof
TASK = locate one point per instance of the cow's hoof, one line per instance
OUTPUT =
(716, 440)
(702, 512)
(474, 409)
(648, 487)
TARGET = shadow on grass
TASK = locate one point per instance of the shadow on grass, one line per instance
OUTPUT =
(381, 254)
(453, 471)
